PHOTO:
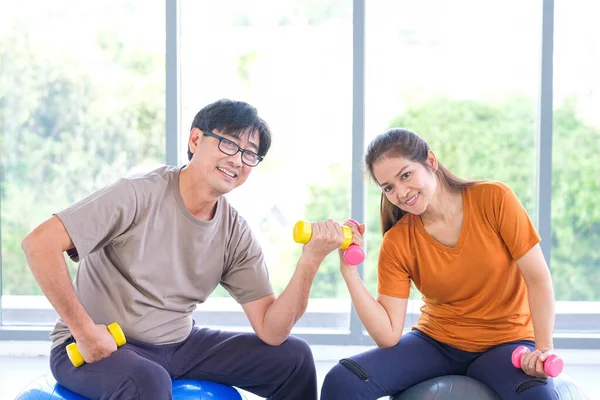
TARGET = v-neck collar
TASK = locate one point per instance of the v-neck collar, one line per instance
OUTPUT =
(463, 230)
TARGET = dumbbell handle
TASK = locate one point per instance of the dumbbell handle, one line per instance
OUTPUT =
(353, 255)
(76, 357)
(553, 365)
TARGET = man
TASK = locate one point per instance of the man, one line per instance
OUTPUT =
(154, 246)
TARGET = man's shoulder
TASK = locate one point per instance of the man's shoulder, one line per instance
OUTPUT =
(156, 178)
(164, 172)
(232, 215)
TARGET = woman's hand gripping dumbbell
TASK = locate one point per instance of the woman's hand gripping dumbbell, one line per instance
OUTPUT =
(75, 355)
(353, 254)
(553, 365)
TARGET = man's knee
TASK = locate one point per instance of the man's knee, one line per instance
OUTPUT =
(149, 381)
(296, 351)
(298, 346)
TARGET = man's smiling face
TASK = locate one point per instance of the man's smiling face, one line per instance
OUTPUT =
(222, 172)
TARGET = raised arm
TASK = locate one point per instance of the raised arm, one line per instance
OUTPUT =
(382, 318)
(273, 318)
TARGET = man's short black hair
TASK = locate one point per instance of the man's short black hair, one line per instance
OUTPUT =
(234, 118)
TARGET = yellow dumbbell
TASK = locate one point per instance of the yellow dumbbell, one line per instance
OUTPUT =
(76, 357)
(303, 233)
(353, 255)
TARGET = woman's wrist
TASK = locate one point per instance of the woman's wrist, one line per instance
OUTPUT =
(349, 272)
(544, 346)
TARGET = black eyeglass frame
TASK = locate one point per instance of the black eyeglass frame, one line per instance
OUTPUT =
(259, 158)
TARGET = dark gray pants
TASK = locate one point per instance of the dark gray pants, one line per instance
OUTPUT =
(140, 370)
(418, 357)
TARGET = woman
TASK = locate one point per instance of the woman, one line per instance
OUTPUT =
(473, 253)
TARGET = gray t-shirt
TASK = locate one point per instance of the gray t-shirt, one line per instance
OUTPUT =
(146, 261)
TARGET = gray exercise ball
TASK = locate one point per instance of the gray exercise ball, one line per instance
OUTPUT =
(567, 389)
(459, 387)
(450, 387)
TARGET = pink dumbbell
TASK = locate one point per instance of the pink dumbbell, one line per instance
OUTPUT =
(354, 254)
(553, 365)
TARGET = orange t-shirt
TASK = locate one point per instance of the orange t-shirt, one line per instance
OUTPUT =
(474, 294)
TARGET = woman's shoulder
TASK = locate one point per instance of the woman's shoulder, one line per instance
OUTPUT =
(489, 188)
(401, 230)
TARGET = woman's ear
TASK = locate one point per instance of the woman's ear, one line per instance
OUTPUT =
(432, 161)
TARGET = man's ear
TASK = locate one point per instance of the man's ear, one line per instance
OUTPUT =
(194, 139)
(432, 161)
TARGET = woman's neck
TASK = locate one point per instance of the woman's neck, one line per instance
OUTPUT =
(445, 206)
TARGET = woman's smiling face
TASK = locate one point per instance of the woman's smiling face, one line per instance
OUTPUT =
(409, 185)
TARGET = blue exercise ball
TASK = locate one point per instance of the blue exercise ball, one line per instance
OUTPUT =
(46, 388)
(203, 390)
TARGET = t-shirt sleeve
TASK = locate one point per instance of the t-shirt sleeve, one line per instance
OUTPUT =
(393, 278)
(92, 223)
(246, 277)
(515, 226)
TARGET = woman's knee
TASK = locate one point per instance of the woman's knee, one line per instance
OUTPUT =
(342, 383)
(527, 388)
(535, 388)
(337, 378)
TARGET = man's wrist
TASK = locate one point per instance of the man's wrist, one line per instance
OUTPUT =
(83, 329)
(310, 259)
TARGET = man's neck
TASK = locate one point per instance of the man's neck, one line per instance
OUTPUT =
(200, 203)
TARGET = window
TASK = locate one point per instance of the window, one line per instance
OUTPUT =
(464, 75)
(576, 143)
(82, 102)
(82, 89)
(293, 61)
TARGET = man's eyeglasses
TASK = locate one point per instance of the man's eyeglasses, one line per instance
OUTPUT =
(230, 148)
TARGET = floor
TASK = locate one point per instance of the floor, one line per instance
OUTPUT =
(18, 369)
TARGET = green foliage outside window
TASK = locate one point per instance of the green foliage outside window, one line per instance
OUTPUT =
(494, 140)
(65, 134)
